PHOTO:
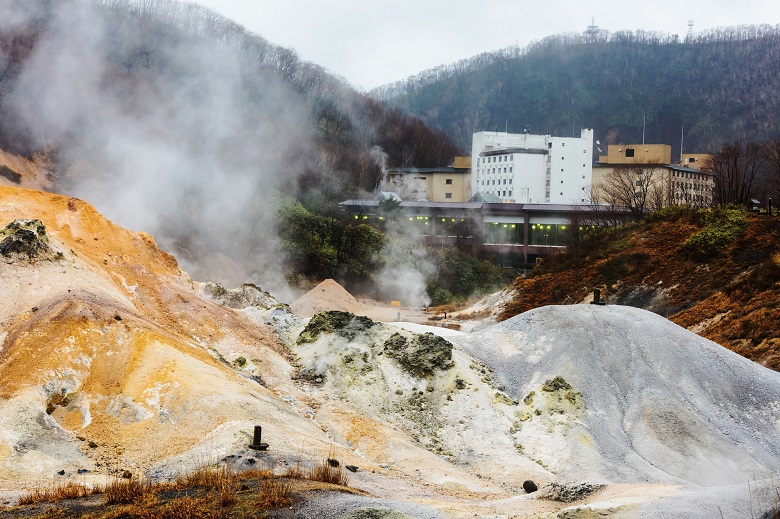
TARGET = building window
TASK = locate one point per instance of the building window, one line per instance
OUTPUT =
(510, 180)
(504, 170)
(447, 195)
(563, 144)
(448, 181)
(563, 158)
(629, 152)
(510, 169)
(561, 181)
(510, 192)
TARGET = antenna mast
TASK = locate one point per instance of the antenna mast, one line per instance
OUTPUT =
(592, 32)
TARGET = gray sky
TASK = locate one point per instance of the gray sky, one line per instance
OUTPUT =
(371, 42)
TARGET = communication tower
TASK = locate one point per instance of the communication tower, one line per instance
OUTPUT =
(592, 32)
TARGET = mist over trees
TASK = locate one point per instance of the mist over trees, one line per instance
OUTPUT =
(176, 121)
(721, 85)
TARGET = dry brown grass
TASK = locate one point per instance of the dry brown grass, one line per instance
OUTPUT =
(325, 473)
(50, 513)
(206, 493)
(58, 492)
(179, 508)
(184, 507)
(475, 314)
(211, 478)
(273, 493)
(126, 491)
(295, 473)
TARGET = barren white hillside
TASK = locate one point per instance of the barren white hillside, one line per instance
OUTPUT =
(660, 404)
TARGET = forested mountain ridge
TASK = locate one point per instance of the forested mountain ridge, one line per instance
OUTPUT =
(174, 120)
(719, 86)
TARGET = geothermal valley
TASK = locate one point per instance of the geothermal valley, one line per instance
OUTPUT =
(115, 363)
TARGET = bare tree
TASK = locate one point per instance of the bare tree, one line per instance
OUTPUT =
(736, 167)
(771, 154)
(639, 187)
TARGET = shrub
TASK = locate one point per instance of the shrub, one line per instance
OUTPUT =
(722, 226)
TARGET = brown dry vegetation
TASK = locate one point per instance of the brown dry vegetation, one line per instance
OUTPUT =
(732, 296)
(205, 493)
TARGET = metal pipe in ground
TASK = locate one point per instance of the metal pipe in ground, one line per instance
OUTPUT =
(257, 441)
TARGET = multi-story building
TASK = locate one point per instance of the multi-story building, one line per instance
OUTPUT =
(643, 174)
(443, 184)
(526, 168)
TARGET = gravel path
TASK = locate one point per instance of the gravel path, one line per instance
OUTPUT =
(336, 505)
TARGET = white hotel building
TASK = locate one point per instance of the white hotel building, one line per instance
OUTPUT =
(524, 168)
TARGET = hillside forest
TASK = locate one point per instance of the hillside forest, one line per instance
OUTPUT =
(715, 87)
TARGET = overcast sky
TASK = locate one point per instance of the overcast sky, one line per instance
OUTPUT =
(371, 42)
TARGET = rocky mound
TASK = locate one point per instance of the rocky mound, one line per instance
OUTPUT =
(111, 361)
(247, 295)
(632, 398)
(25, 240)
(328, 295)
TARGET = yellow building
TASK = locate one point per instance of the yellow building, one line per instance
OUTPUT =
(637, 154)
(643, 175)
(694, 160)
(444, 184)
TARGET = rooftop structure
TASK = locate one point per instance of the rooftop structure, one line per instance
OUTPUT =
(524, 168)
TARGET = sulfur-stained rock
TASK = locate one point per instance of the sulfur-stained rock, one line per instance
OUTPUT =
(26, 240)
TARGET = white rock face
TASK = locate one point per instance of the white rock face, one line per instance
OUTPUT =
(658, 403)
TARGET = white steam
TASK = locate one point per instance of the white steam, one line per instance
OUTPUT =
(179, 136)
(407, 267)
